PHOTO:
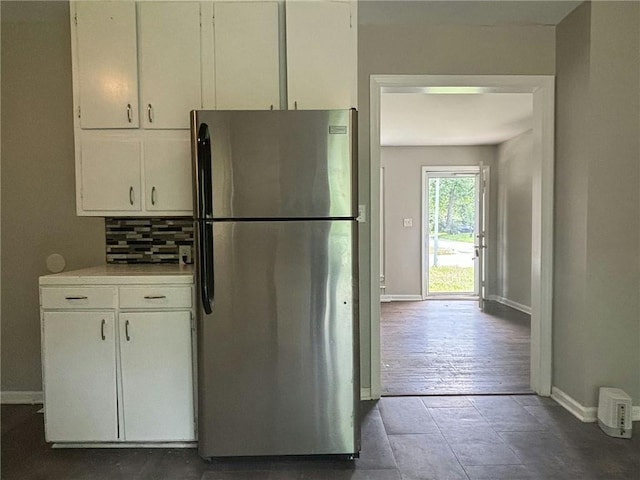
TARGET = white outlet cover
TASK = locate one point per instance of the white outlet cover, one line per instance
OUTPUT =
(407, 222)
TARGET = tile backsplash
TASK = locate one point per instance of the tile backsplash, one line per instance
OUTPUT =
(147, 240)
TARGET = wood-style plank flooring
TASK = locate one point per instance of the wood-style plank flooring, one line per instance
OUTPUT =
(450, 347)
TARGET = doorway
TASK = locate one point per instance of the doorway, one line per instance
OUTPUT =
(454, 232)
(542, 90)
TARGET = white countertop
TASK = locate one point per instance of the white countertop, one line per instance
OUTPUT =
(123, 274)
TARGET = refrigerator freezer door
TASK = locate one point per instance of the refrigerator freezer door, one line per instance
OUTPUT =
(277, 357)
(275, 164)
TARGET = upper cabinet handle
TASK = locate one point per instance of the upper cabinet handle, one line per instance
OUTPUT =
(150, 113)
(131, 198)
(153, 195)
(154, 297)
(102, 335)
(129, 113)
(76, 297)
(126, 331)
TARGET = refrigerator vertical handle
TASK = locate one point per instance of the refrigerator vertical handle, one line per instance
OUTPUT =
(205, 260)
(204, 185)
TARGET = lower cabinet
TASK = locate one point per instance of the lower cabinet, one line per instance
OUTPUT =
(79, 355)
(155, 352)
(119, 374)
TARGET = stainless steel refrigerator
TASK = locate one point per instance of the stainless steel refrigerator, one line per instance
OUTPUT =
(276, 239)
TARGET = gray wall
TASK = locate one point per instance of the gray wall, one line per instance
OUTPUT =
(38, 186)
(432, 50)
(402, 199)
(597, 244)
(515, 175)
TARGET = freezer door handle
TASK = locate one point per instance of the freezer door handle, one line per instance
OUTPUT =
(204, 202)
(205, 232)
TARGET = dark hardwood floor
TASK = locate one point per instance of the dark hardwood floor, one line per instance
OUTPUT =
(450, 347)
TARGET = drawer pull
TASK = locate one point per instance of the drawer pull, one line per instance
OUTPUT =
(126, 331)
(76, 297)
(104, 322)
(154, 297)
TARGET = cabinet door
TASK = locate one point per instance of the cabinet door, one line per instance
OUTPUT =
(247, 56)
(169, 52)
(321, 55)
(107, 64)
(157, 382)
(79, 367)
(167, 167)
(110, 173)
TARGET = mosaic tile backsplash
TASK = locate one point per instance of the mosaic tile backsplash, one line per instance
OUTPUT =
(147, 240)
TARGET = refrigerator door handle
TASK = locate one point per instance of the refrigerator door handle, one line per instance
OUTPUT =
(204, 203)
(207, 283)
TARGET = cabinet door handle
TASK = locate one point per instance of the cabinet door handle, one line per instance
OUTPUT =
(150, 113)
(153, 195)
(129, 113)
(76, 297)
(104, 322)
(131, 196)
(126, 331)
(154, 297)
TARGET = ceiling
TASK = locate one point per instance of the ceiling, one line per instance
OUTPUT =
(410, 119)
(464, 12)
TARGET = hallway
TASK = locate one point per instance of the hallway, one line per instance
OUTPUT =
(450, 347)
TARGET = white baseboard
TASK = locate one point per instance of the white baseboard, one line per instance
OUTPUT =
(17, 398)
(365, 394)
(400, 298)
(582, 413)
(510, 303)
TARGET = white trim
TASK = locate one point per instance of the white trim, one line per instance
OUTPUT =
(510, 303)
(542, 87)
(126, 445)
(582, 413)
(365, 394)
(401, 298)
(21, 398)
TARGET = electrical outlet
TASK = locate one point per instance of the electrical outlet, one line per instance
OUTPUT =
(184, 252)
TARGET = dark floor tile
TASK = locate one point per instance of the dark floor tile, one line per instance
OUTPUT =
(406, 415)
(556, 418)
(183, 464)
(484, 453)
(458, 417)
(495, 403)
(446, 401)
(238, 475)
(422, 457)
(337, 475)
(112, 464)
(375, 452)
(534, 400)
(13, 415)
(502, 472)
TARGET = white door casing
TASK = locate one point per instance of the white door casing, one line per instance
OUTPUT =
(542, 87)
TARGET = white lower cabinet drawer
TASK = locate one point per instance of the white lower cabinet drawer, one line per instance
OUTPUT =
(77, 297)
(155, 297)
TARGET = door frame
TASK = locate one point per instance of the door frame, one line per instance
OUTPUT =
(542, 87)
(472, 170)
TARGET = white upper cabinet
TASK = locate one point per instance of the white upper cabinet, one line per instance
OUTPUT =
(169, 55)
(247, 60)
(167, 170)
(107, 64)
(110, 173)
(321, 54)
